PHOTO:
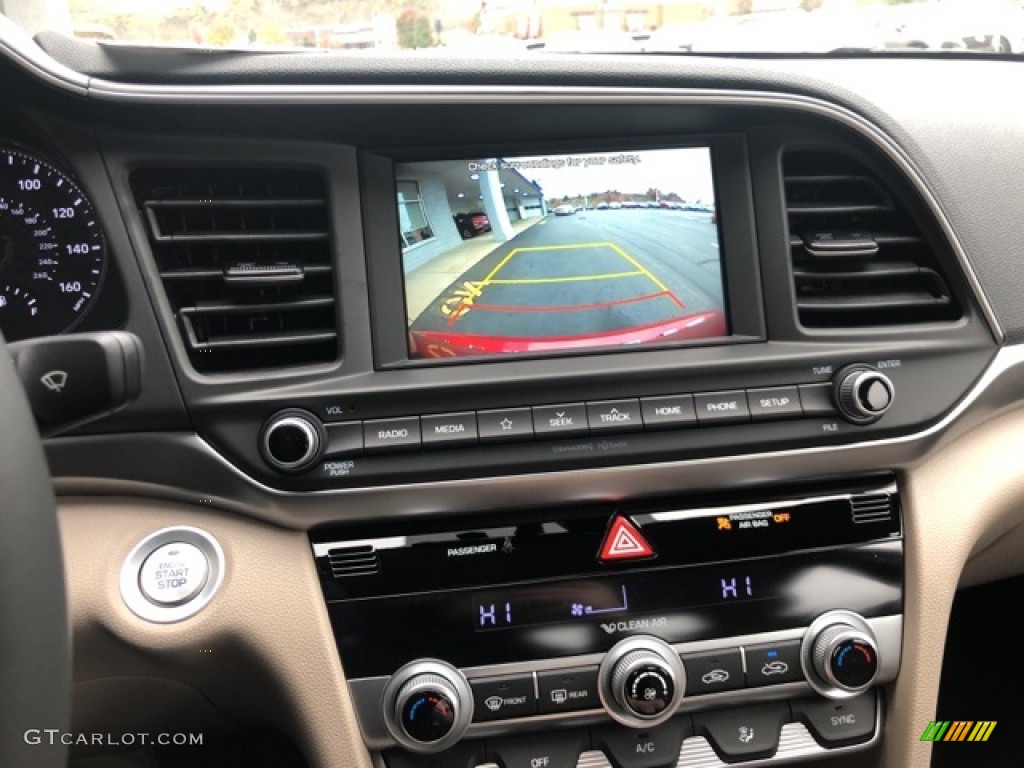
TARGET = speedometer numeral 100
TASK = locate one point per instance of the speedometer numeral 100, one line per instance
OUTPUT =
(52, 253)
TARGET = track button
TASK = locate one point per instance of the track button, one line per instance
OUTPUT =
(614, 416)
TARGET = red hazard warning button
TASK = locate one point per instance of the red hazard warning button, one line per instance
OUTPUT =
(624, 542)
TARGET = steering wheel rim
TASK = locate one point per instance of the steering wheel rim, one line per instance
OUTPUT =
(35, 644)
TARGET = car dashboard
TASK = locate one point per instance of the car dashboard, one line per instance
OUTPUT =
(361, 494)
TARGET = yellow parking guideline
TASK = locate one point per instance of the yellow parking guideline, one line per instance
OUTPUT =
(568, 247)
(639, 266)
(570, 279)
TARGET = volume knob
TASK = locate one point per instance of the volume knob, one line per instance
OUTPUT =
(863, 395)
(292, 440)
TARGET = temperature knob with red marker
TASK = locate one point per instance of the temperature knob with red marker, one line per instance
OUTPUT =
(842, 655)
(427, 706)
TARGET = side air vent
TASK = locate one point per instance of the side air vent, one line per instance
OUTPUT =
(876, 508)
(245, 259)
(353, 561)
(859, 257)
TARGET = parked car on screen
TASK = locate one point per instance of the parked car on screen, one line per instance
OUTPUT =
(564, 210)
(472, 224)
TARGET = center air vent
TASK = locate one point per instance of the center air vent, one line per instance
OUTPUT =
(353, 561)
(859, 257)
(245, 259)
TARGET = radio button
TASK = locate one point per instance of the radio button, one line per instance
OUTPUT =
(838, 723)
(722, 407)
(743, 733)
(545, 750)
(449, 429)
(505, 424)
(568, 690)
(501, 698)
(713, 671)
(774, 403)
(773, 663)
(668, 412)
(382, 435)
(560, 420)
(648, 748)
(615, 415)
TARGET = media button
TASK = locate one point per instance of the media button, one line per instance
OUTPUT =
(391, 434)
(505, 424)
(568, 690)
(449, 429)
(773, 663)
(774, 403)
(501, 698)
(560, 420)
(668, 412)
(713, 671)
(615, 415)
(722, 407)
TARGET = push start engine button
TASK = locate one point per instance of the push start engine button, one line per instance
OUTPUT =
(174, 573)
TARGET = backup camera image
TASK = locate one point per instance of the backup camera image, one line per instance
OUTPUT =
(560, 252)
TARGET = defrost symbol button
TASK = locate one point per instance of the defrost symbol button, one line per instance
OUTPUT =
(174, 573)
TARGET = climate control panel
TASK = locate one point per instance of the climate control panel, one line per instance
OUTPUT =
(666, 617)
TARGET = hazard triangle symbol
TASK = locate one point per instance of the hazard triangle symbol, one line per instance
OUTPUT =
(624, 542)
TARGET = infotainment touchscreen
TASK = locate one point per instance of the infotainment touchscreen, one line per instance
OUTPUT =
(556, 253)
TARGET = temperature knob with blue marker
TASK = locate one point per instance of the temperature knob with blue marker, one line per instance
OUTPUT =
(427, 706)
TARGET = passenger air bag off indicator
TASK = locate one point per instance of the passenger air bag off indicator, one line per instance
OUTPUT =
(624, 541)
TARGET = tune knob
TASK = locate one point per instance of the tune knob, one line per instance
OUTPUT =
(840, 655)
(641, 682)
(862, 394)
(427, 706)
(292, 440)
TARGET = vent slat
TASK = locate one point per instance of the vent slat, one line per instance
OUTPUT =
(833, 197)
(871, 509)
(245, 258)
(347, 562)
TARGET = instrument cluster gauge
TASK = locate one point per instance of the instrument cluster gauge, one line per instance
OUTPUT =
(52, 252)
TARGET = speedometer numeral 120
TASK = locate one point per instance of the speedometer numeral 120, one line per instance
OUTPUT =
(52, 253)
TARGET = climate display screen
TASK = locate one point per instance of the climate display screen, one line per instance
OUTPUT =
(560, 252)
